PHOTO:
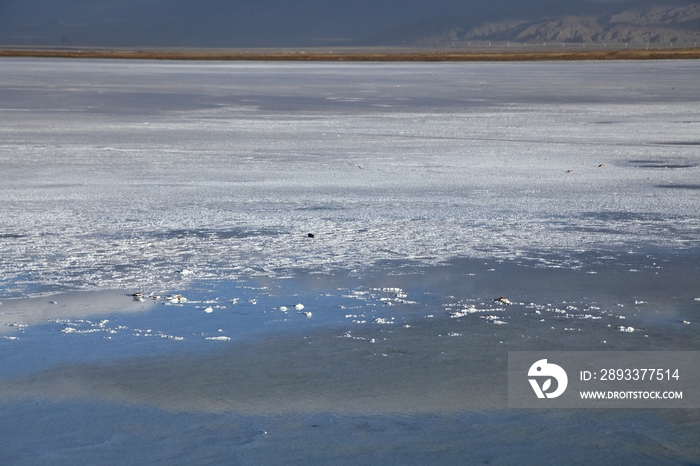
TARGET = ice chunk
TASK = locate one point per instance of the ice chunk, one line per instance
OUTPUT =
(383, 321)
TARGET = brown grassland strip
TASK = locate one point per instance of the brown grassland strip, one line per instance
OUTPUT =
(392, 56)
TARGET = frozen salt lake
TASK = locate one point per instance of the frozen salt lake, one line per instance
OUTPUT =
(572, 189)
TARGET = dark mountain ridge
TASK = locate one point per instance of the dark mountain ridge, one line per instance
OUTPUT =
(631, 22)
(332, 23)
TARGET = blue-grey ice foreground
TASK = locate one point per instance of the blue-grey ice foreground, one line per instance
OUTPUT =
(230, 262)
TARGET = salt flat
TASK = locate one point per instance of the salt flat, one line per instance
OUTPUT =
(119, 174)
(430, 190)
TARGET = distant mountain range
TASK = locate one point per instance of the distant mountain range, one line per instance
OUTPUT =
(334, 23)
(631, 22)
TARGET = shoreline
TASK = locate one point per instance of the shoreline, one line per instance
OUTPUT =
(362, 56)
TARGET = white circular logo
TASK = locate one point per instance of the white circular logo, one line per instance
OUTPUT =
(546, 372)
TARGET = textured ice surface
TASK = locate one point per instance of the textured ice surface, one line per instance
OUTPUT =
(568, 189)
(142, 174)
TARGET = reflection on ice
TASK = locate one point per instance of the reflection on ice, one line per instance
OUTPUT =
(434, 340)
(19, 313)
(454, 362)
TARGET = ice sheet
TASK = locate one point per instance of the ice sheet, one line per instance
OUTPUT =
(431, 191)
(124, 175)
